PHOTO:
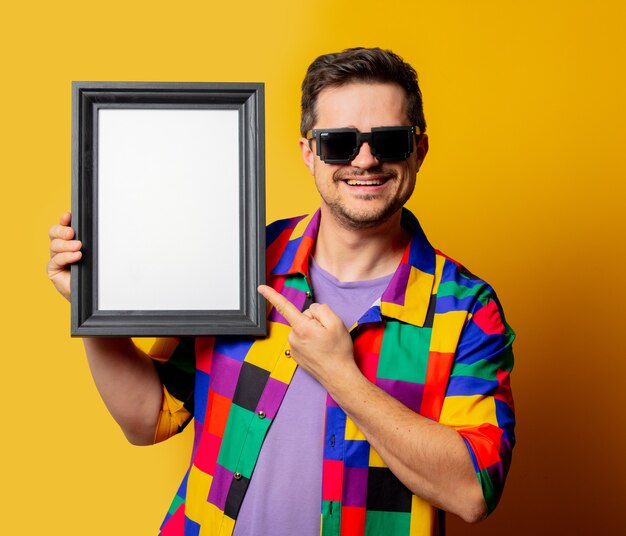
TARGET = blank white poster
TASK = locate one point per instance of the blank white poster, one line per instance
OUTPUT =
(168, 209)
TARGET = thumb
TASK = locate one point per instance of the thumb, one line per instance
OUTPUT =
(324, 314)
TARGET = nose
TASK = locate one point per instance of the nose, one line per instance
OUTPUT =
(364, 158)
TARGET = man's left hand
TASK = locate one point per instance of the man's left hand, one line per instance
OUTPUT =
(320, 343)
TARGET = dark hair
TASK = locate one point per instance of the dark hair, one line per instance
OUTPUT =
(360, 65)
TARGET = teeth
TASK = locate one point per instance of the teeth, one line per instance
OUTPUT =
(354, 182)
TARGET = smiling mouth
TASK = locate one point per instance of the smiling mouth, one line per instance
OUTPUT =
(371, 177)
(365, 182)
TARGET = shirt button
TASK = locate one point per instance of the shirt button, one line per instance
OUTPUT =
(288, 352)
(261, 414)
(237, 476)
(308, 294)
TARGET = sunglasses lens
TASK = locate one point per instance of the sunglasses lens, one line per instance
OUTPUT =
(337, 147)
(391, 145)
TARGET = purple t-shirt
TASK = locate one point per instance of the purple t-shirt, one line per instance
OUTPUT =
(285, 492)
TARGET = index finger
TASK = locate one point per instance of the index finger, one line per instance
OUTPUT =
(62, 229)
(289, 311)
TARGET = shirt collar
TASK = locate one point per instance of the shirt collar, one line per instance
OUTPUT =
(407, 296)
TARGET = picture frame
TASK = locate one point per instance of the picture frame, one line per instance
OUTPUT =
(168, 199)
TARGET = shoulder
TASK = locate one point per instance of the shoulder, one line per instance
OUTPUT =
(458, 289)
(277, 238)
(281, 229)
(455, 280)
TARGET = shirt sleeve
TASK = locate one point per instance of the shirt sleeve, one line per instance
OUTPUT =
(478, 401)
(174, 359)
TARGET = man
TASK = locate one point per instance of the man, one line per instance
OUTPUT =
(384, 375)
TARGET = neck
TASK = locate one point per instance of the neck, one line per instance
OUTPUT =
(359, 254)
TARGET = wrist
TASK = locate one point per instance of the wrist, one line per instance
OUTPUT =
(345, 380)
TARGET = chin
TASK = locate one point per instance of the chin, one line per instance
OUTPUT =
(364, 220)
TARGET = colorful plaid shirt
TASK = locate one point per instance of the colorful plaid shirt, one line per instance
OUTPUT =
(436, 340)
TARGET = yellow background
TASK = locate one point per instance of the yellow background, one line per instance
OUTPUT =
(524, 183)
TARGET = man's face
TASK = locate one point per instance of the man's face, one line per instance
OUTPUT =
(365, 192)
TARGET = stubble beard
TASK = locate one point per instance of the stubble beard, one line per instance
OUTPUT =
(366, 219)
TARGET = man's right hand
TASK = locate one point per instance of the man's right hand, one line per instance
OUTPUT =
(63, 252)
(125, 377)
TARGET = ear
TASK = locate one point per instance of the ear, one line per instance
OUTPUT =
(421, 150)
(307, 154)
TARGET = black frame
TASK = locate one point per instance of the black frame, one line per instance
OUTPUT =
(248, 99)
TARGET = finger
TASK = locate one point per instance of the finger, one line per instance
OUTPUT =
(324, 314)
(308, 314)
(61, 231)
(66, 219)
(61, 260)
(58, 246)
(289, 311)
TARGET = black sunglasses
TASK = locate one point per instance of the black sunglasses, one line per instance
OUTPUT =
(341, 145)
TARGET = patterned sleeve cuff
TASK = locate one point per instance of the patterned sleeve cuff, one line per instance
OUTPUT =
(172, 418)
